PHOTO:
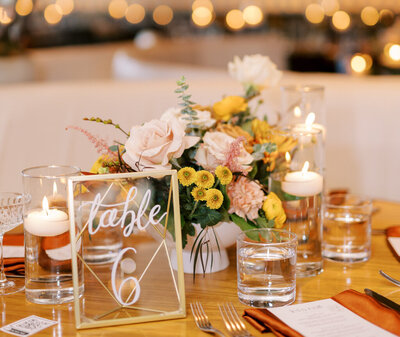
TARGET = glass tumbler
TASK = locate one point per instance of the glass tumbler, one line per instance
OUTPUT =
(347, 228)
(266, 267)
(48, 275)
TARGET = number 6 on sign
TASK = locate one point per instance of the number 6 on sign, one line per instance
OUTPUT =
(136, 288)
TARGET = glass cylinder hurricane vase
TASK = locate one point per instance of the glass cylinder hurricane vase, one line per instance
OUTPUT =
(299, 185)
(48, 275)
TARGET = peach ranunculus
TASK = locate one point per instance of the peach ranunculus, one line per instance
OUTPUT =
(213, 151)
(246, 198)
(228, 106)
(155, 143)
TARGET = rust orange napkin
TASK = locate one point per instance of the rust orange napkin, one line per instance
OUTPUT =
(14, 265)
(393, 239)
(361, 304)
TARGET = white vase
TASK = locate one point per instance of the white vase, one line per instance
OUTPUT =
(226, 233)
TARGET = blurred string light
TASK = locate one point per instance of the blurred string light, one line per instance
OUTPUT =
(135, 13)
(5, 19)
(392, 50)
(53, 14)
(163, 15)
(341, 20)
(361, 63)
(253, 15)
(202, 16)
(202, 3)
(370, 16)
(315, 13)
(117, 8)
(23, 7)
(234, 19)
(67, 6)
(386, 17)
(330, 7)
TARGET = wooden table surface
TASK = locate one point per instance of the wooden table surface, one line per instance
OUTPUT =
(221, 287)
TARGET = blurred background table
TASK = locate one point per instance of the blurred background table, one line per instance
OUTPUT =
(221, 287)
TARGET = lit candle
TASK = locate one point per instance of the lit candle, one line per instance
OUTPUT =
(46, 222)
(303, 183)
(309, 128)
(57, 200)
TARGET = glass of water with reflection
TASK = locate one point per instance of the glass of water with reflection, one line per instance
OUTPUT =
(266, 267)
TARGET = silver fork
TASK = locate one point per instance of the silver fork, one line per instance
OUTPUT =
(232, 321)
(201, 319)
(391, 279)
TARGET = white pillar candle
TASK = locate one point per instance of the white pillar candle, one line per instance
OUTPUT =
(302, 183)
(46, 222)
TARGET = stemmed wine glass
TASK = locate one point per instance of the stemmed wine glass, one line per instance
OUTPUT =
(11, 215)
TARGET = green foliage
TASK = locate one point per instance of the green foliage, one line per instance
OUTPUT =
(186, 104)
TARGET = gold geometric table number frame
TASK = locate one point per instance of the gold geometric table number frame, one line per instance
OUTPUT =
(128, 206)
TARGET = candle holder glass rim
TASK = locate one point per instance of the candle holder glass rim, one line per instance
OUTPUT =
(243, 237)
(363, 201)
(29, 172)
(306, 88)
(312, 131)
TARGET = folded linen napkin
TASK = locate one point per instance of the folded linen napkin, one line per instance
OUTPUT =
(14, 261)
(393, 238)
(361, 304)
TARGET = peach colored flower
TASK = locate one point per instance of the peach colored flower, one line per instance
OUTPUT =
(155, 143)
(246, 198)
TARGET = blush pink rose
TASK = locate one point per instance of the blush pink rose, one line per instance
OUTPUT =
(155, 143)
(246, 198)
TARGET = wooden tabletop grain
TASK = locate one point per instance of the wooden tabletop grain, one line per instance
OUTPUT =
(221, 287)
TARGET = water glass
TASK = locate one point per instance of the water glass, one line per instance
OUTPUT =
(266, 267)
(347, 228)
(48, 274)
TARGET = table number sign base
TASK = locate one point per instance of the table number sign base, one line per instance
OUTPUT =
(140, 284)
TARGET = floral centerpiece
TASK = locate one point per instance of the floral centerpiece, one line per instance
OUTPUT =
(223, 154)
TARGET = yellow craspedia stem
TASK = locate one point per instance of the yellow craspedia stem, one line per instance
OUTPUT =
(224, 174)
(187, 176)
(214, 198)
(272, 206)
(204, 179)
(199, 193)
(228, 106)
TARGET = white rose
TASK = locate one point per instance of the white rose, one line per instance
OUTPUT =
(214, 149)
(203, 121)
(255, 70)
(155, 143)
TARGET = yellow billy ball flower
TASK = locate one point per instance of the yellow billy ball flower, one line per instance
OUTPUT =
(272, 206)
(214, 198)
(204, 179)
(187, 176)
(199, 193)
(224, 174)
(228, 106)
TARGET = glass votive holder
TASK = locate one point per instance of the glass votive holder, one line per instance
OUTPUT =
(48, 274)
(266, 267)
(347, 228)
(299, 101)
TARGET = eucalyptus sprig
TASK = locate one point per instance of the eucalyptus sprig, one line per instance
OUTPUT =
(106, 122)
(186, 104)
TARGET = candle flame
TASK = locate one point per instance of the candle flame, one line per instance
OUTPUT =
(54, 189)
(45, 205)
(305, 167)
(297, 111)
(310, 120)
(287, 157)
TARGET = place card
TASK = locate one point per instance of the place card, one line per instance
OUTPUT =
(326, 318)
(395, 243)
(28, 326)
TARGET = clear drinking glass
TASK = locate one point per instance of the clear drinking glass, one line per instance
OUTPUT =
(347, 228)
(11, 215)
(298, 101)
(266, 267)
(48, 275)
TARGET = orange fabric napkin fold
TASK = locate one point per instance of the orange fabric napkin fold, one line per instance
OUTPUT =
(361, 304)
(14, 265)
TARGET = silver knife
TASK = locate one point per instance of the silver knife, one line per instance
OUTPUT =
(382, 300)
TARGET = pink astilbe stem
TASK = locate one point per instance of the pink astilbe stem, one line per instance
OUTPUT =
(231, 156)
(99, 143)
